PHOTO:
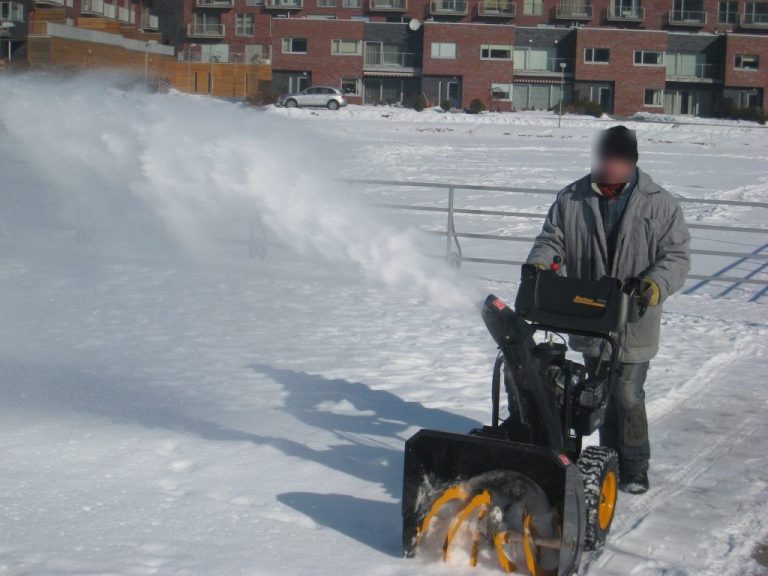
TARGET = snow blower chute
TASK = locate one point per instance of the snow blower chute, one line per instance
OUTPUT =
(521, 492)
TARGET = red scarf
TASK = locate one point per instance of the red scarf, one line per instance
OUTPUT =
(611, 191)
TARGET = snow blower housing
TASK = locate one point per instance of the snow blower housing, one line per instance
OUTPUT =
(521, 492)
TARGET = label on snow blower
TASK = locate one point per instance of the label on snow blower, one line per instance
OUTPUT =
(589, 302)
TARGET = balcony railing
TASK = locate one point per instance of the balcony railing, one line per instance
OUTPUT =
(49, 2)
(625, 14)
(225, 4)
(699, 71)
(497, 9)
(110, 10)
(693, 18)
(11, 12)
(573, 11)
(284, 4)
(123, 14)
(375, 59)
(549, 68)
(448, 7)
(754, 20)
(92, 7)
(150, 22)
(387, 5)
(205, 30)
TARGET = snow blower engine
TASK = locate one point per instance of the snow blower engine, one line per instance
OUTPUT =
(521, 492)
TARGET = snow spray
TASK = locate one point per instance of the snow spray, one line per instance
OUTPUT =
(192, 158)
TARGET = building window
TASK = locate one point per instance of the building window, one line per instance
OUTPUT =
(533, 7)
(294, 45)
(654, 97)
(443, 50)
(244, 24)
(326, 3)
(649, 58)
(749, 99)
(727, 12)
(496, 52)
(597, 55)
(352, 86)
(351, 3)
(254, 2)
(501, 92)
(746, 62)
(688, 11)
(346, 47)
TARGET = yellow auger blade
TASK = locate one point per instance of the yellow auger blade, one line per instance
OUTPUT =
(482, 499)
(499, 539)
(528, 546)
(453, 493)
(476, 537)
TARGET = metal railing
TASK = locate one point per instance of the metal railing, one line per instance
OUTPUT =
(215, 4)
(497, 8)
(550, 67)
(11, 11)
(49, 2)
(384, 59)
(205, 30)
(626, 13)
(284, 4)
(450, 7)
(110, 10)
(123, 14)
(687, 18)
(92, 7)
(150, 22)
(454, 252)
(698, 70)
(573, 11)
(388, 5)
(754, 20)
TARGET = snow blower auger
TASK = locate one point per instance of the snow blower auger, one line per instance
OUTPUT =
(521, 492)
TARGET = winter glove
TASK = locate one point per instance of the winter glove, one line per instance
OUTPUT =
(649, 294)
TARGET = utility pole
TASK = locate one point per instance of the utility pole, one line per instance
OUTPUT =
(562, 92)
(146, 64)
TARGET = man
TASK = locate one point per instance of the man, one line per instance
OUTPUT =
(617, 222)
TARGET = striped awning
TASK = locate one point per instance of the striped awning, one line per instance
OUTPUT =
(391, 73)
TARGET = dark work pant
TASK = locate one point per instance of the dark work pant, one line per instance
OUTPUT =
(626, 426)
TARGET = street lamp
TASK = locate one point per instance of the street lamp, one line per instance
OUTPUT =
(562, 92)
(146, 64)
(6, 26)
(189, 65)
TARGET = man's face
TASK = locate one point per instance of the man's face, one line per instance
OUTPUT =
(615, 170)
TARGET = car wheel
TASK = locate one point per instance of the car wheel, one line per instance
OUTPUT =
(291, 103)
(333, 105)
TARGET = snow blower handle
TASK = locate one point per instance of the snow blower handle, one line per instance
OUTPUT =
(633, 287)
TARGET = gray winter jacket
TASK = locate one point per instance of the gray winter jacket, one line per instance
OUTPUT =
(652, 241)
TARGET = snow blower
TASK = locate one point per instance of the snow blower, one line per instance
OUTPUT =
(521, 492)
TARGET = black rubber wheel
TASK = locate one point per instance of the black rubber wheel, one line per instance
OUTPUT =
(600, 469)
(291, 103)
(333, 105)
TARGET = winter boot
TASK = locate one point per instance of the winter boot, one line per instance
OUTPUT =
(634, 483)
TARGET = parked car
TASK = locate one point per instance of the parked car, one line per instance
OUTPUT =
(324, 96)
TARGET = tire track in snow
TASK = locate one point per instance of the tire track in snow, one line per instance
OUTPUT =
(634, 510)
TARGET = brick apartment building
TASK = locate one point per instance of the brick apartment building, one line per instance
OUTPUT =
(673, 56)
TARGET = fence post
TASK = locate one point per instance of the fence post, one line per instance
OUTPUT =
(450, 228)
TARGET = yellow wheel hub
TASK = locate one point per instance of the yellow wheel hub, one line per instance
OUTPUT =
(607, 505)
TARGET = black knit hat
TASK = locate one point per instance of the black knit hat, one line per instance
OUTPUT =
(618, 142)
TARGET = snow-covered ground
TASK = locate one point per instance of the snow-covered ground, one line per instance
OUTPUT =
(211, 351)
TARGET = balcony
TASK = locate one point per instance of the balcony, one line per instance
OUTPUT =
(223, 4)
(387, 5)
(448, 7)
(124, 14)
(400, 63)
(754, 20)
(625, 14)
(11, 12)
(110, 11)
(692, 18)
(573, 11)
(205, 30)
(50, 3)
(496, 9)
(150, 22)
(550, 67)
(690, 72)
(284, 4)
(92, 7)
